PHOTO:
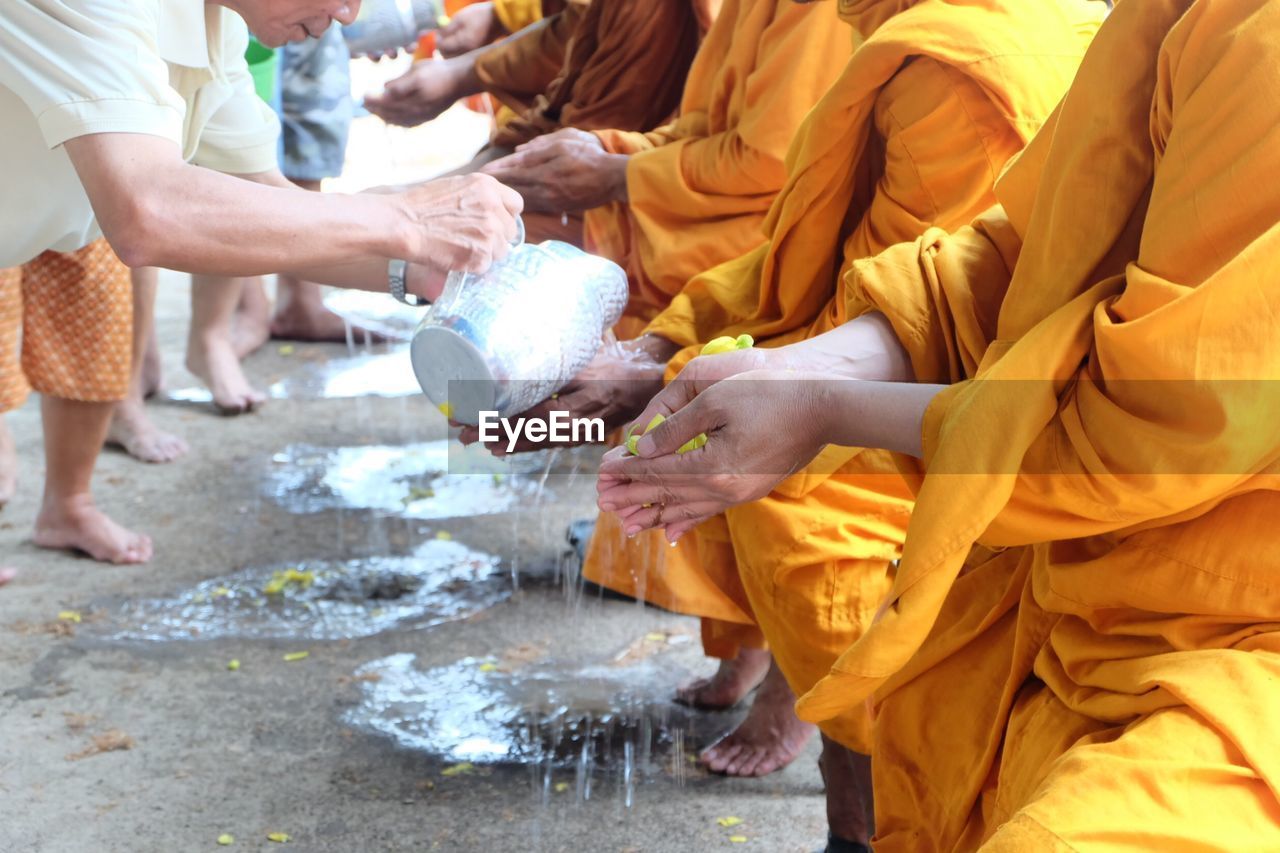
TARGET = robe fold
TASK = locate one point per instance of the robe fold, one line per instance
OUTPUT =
(699, 187)
(1081, 650)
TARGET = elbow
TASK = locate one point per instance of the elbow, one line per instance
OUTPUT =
(135, 233)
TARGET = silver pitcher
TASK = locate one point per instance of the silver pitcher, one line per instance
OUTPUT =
(385, 25)
(509, 338)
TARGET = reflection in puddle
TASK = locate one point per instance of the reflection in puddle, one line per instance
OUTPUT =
(613, 717)
(387, 374)
(316, 600)
(439, 479)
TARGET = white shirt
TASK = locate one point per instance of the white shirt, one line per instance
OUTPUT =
(68, 68)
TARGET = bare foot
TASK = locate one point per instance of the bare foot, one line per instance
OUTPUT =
(213, 359)
(251, 325)
(132, 430)
(76, 524)
(733, 681)
(299, 320)
(8, 464)
(847, 777)
(769, 738)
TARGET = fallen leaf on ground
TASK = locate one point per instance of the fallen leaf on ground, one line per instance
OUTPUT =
(77, 722)
(111, 740)
(458, 769)
(293, 656)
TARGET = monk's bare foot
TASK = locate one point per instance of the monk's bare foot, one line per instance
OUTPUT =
(300, 320)
(133, 430)
(847, 776)
(8, 465)
(74, 523)
(732, 681)
(769, 738)
(212, 358)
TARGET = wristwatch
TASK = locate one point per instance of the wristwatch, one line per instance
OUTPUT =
(395, 282)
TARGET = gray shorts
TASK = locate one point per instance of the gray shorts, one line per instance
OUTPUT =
(315, 106)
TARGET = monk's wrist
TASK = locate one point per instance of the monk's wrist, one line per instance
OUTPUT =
(615, 171)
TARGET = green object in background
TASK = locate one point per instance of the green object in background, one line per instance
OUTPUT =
(262, 66)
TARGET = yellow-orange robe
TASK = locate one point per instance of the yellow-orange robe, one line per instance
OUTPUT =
(937, 97)
(1082, 647)
(614, 64)
(699, 187)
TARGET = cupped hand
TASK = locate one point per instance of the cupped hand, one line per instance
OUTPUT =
(472, 27)
(761, 427)
(462, 223)
(565, 171)
(422, 93)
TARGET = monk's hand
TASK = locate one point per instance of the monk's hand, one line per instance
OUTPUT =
(472, 27)
(613, 387)
(462, 223)
(423, 92)
(760, 426)
(562, 172)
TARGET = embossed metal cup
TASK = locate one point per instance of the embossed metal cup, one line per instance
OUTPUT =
(385, 25)
(515, 335)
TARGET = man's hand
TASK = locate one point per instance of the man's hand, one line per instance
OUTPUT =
(761, 427)
(562, 172)
(425, 91)
(463, 223)
(472, 27)
(613, 387)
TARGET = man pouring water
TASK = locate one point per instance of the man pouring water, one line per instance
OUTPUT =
(138, 121)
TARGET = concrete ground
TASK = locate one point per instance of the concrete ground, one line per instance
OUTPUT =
(460, 691)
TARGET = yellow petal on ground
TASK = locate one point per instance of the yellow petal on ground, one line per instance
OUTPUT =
(444, 535)
(285, 349)
(233, 664)
(293, 656)
(221, 591)
(727, 822)
(738, 839)
(488, 667)
(561, 787)
(226, 839)
(69, 616)
(446, 409)
(656, 637)
(458, 769)
(278, 837)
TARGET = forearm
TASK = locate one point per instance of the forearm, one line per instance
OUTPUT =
(884, 415)
(158, 211)
(864, 348)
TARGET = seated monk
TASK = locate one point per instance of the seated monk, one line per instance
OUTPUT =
(935, 98)
(681, 199)
(608, 64)
(1081, 649)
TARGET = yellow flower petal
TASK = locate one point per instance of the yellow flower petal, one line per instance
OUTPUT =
(458, 769)
(727, 822)
(285, 349)
(738, 839)
(278, 837)
(226, 839)
(561, 787)
(488, 667)
(293, 656)
(233, 664)
(446, 409)
(444, 535)
(69, 616)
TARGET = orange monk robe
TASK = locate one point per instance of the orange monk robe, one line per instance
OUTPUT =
(700, 186)
(617, 64)
(515, 15)
(935, 100)
(1082, 647)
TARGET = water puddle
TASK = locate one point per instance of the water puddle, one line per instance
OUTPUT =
(431, 480)
(442, 581)
(612, 718)
(388, 374)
